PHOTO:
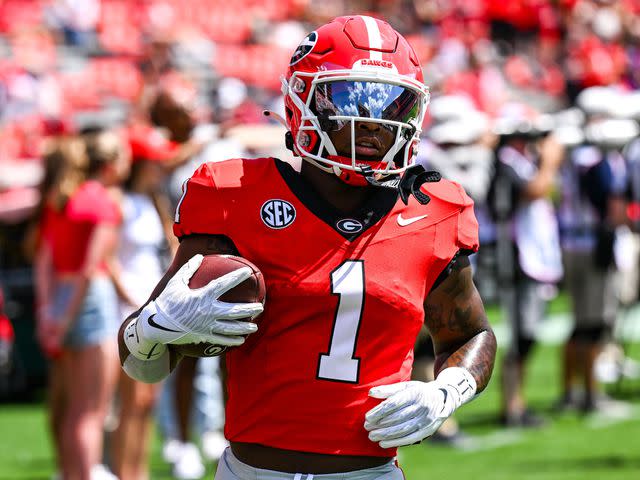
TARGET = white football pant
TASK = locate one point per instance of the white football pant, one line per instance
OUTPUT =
(230, 468)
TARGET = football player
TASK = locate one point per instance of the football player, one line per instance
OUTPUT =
(353, 265)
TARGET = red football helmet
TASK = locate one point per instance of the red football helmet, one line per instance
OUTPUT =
(354, 69)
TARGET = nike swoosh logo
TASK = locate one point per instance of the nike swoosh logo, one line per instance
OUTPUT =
(150, 355)
(444, 400)
(152, 322)
(403, 222)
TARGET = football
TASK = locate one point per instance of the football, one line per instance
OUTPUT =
(251, 290)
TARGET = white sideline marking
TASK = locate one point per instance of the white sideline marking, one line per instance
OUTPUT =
(491, 441)
(555, 329)
(618, 413)
(481, 443)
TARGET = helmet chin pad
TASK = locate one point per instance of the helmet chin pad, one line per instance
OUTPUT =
(351, 177)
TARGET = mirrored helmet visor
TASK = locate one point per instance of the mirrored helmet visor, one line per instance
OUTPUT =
(375, 100)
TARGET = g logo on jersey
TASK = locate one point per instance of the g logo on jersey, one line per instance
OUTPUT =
(277, 213)
(349, 225)
(304, 48)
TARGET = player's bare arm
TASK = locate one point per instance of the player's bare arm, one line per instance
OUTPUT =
(170, 315)
(457, 322)
(465, 352)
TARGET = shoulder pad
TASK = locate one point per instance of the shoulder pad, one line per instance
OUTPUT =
(233, 173)
(219, 184)
(447, 191)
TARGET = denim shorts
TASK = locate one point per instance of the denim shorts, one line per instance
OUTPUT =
(98, 317)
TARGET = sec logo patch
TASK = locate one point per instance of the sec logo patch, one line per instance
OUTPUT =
(277, 213)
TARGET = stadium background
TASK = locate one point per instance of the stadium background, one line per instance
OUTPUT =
(66, 65)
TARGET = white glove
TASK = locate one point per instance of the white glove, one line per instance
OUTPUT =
(415, 410)
(182, 315)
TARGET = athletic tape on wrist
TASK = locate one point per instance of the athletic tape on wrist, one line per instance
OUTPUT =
(137, 344)
(462, 382)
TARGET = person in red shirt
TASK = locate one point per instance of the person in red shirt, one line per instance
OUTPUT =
(76, 300)
(358, 249)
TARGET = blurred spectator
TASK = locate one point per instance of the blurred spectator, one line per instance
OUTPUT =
(595, 182)
(157, 60)
(594, 44)
(78, 21)
(474, 76)
(173, 110)
(29, 81)
(460, 147)
(534, 75)
(76, 301)
(206, 420)
(139, 265)
(458, 150)
(525, 177)
(7, 339)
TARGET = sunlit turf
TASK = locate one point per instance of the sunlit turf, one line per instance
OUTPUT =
(570, 446)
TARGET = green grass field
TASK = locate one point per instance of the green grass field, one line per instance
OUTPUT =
(570, 447)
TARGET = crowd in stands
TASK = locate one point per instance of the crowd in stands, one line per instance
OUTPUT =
(64, 63)
(535, 110)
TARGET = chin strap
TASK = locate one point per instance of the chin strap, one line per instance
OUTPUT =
(409, 184)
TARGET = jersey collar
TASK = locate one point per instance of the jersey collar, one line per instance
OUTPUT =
(350, 226)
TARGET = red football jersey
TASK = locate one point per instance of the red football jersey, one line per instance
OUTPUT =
(344, 297)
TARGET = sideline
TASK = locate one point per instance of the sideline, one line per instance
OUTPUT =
(555, 329)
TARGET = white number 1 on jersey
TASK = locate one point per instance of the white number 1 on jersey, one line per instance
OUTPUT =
(339, 363)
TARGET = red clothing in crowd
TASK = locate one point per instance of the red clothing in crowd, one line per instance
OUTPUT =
(598, 63)
(68, 232)
(6, 329)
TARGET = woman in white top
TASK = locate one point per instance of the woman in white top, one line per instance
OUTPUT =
(137, 269)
